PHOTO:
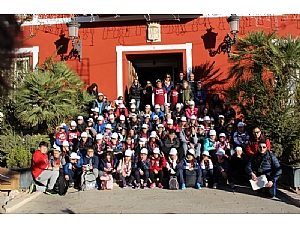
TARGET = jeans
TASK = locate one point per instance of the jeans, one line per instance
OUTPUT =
(123, 179)
(206, 173)
(138, 176)
(182, 174)
(138, 102)
(48, 175)
(197, 149)
(160, 176)
(74, 176)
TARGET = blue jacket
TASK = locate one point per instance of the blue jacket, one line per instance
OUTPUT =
(160, 115)
(269, 166)
(224, 166)
(100, 128)
(200, 95)
(94, 161)
(102, 164)
(78, 165)
(183, 164)
(208, 144)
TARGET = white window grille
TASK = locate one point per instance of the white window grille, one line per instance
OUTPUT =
(20, 66)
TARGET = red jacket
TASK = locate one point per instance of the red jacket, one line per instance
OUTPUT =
(118, 113)
(157, 164)
(252, 146)
(40, 162)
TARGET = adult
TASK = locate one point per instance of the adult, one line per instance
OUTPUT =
(42, 171)
(215, 101)
(200, 97)
(264, 163)
(135, 92)
(159, 95)
(93, 90)
(238, 163)
(167, 83)
(172, 141)
(186, 94)
(252, 146)
(173, 96)
(147, 94)
(192, 82)
(180, 79)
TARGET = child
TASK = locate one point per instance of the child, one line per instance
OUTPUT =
(108, 132)
(222, 143)
(124, 169)
(172, 162)
(154, 141)
(207, 125)
(223, 168)
(210, 143)
(107, 168)
(189, 164)
(72, 169)
(145, 132)
(61, 135)
(73, 134)
(142, 168)
(206, 167)
(91, 162)
(121, 125)
(157, 163)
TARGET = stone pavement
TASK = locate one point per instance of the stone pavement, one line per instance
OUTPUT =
(131, 201)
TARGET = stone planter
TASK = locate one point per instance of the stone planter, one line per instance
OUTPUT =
(25, 177)
(290, 175)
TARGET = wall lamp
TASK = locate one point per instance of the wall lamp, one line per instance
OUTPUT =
(225, 46)
(73, 27)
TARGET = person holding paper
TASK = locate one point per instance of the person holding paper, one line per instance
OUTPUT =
(264, 163)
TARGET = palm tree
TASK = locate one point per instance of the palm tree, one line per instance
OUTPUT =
(264, 70)
(51, 96)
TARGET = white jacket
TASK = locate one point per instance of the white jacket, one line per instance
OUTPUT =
(210, 164)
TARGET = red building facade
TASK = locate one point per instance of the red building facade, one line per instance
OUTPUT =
(115, 47)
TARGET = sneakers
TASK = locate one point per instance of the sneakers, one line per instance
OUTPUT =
(124, 186)
(137, 186)
(130, 185)
(96, 186)
(206, 184)
(32, 188)
(160, 185)
(183, 186)
(71, 185)
(215, 185)
(198, 186)
(145, 185)
(50, 192)
(232, 185)
(153, 185)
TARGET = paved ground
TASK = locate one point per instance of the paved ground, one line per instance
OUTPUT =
(131, 201)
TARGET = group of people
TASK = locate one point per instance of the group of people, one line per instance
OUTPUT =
(175, 135)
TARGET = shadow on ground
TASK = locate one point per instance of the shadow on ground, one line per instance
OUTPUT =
(68, 211)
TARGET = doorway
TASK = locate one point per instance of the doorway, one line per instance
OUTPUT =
(150, 67)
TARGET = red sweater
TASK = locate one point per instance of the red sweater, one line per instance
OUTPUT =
(252, 146)
(40, 162)
(157, 164)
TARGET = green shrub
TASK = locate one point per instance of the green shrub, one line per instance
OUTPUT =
(19, 157)
(292, 153)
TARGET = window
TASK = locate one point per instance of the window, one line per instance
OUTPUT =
(20, 66)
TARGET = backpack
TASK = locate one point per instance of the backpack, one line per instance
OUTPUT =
(173, 183)
(88, 180)
(61, 186)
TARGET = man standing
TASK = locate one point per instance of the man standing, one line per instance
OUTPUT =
(192, 82)
(180, 79)
(42, 171)
(264, 163)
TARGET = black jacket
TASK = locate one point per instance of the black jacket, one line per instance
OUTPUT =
(135, 92)
(167, 142)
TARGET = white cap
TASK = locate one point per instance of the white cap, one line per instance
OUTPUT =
(80, 117)
(128, 153)
(238, 148)
(193, 117)
(222, 135)
(241, 124)
(99, 136)
(178, 105)
(191, 103)
(133, 115)
(74, 156)
(132, 101)
(133, 106)
(220, 152)
(90, 120)
(170, 121)
(73, 124)
(84, 135)
(122, 105)
(200, 119)
(201, 126)
(144, 151)
(108, 126)
(167, 104)
(212, 119)
(122, 117)
(114, 135)
(100, 94)
(206, 153)
(212, 132)
(160, 125)
(156, 150)
(157, 106)
(65, 143)
(153, 134)
(173, 151)
(221, 116)
(109, 108)
(147, 106)
(56, 148)
(147, 116)
(142, 140)
(206, 118)
(155, 117)
(191, 151)
(145, 126)
(100, 118)
(111, 116)
(96, 109)
(183, 118)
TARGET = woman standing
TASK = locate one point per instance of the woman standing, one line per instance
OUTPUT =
(135, 93)
(93, 90)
